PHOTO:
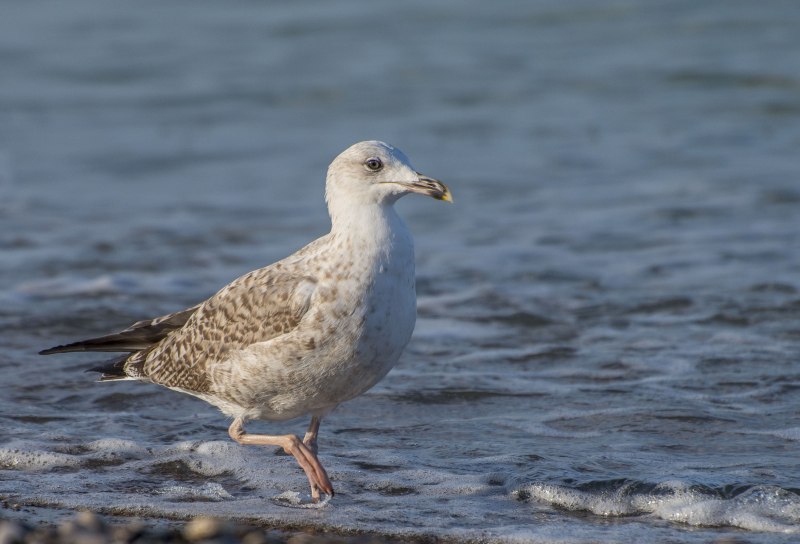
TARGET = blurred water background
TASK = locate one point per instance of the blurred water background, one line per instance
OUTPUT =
(607, 347)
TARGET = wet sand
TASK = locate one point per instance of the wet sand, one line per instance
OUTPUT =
(31, 524)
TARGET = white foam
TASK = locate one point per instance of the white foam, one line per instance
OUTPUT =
(792, 433)
(116, 445)
(34, 460)
(761, 508)
(271, 488)
(210, 491)
(294, 499)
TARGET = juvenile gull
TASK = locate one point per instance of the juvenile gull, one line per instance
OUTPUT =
(302, 335)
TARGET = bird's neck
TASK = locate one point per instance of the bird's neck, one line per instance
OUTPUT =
(370, 227)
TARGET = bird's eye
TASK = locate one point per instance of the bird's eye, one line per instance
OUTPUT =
(373, 164)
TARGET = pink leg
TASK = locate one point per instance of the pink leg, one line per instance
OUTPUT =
(310, 439)
(317, 477)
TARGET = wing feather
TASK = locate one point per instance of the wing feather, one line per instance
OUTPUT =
(139, 336)
(256, 308)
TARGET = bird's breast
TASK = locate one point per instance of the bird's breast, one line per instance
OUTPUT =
(374, 301)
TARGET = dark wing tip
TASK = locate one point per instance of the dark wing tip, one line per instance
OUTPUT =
(67, 348)
(50, 351)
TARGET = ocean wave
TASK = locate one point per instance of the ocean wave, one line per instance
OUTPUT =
(754, 508)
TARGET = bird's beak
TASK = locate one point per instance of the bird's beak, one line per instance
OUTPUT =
(431, 187)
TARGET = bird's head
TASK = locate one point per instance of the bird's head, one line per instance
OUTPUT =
(377, 173)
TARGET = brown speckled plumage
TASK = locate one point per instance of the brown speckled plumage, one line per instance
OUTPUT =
(304, 334)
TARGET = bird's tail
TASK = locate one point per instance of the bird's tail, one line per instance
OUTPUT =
(112, 369)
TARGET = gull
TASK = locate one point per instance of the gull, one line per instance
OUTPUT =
(302, 335)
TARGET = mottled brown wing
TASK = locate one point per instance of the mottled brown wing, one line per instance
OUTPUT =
(256, 308)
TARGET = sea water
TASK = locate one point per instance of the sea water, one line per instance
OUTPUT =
(609, 317)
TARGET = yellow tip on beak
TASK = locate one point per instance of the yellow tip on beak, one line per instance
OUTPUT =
(432, 187)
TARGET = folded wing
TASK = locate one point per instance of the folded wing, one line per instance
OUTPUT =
(175, 350)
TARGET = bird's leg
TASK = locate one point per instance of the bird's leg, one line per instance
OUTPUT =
(310, 439)
(317, 477)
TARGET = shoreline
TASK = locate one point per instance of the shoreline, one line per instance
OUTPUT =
(26, 523)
